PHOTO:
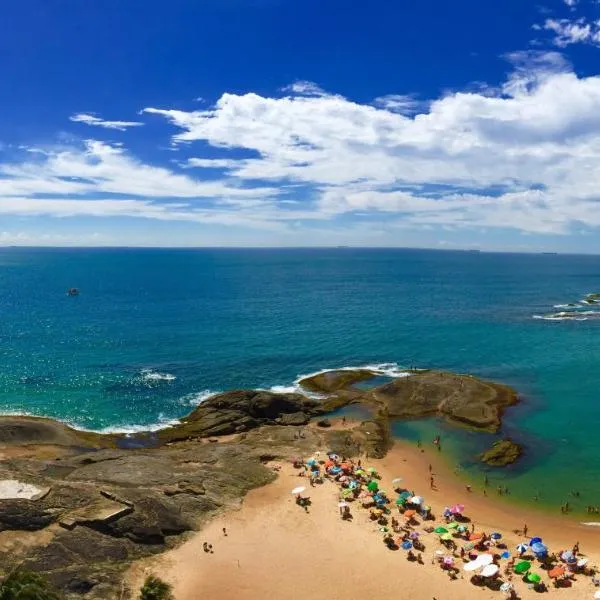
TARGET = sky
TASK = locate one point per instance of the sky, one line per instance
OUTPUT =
(467, 124)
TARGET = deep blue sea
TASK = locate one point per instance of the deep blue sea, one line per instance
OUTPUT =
(153, 331)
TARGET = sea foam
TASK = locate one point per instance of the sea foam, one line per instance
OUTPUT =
(150, 375)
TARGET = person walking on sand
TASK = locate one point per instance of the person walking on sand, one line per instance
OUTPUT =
(431, 482)
(525, 530)
(430, 468)
(469, 489)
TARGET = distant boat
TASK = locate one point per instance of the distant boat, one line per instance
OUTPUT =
(72, 292)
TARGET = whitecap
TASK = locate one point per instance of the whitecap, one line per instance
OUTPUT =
(197, 398)
(393, 370)
(151, 375)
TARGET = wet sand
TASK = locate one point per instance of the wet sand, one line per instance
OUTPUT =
(274, 549)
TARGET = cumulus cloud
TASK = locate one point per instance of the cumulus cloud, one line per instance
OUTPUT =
(525, 156)
(98, 122)
(304, 88)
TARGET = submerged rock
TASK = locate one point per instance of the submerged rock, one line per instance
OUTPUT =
(333, 381)
(502, 453)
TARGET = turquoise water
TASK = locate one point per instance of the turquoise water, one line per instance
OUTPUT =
(153, 331)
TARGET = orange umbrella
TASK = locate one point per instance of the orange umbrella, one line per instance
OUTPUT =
(477, 535)
(329, 464)
(556, 572)
(410, 513)
(345, 467)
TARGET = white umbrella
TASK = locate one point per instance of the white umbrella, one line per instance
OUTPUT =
(472, 566)
(397, 480)
(485, 559)
(342, 504)
(298, 490)
(582, 562)
(597, 594)
(506, 587)
(489, 570)
(415, 500)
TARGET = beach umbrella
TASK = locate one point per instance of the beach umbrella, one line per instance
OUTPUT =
(496, 536)
(414, 535)
(448, 560)
(453, 525)
(342, 504)
(335, 470)
(597, 595)
(489, 570)
(582, 562)
(539, 548)
(462, 528)
(476, 535)
(396, 481)
(473, 566)
(535, 540)
(311, 463)
(372, 486)
(406, 545)
(372, 470)
(522, 567)
(446, 536)
(353, 484)
(522, 548)
(416, 500)
(360, 472)
(567, 556)
(534, 578)
(410, 513)
(506, 587)
(440, 530)
(469, 546)
(505, 555)
(556, 572)
(457, 509)
(405, 495)
(298, 490)
(346, 493)
(485, 559)
(400, 501)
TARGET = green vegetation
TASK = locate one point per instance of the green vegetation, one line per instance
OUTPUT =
(24, 585)
(155, 588)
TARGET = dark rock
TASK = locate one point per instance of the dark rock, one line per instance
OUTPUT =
(324, 423)
(333, 381)
(24, 515)
(297, 418)
(502, 453)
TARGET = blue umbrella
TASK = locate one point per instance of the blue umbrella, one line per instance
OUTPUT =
(311, 462)
(406, 545)
(522, 548)
(539, 548)
(496, 536)
(505, 555)
(335, 469)
(567, 556)
(535, 540)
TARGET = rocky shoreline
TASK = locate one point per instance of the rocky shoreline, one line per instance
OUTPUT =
(112, 499)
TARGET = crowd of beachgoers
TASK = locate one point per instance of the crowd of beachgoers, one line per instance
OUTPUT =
(450, 540)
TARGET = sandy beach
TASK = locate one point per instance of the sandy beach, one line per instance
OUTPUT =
(273, 548)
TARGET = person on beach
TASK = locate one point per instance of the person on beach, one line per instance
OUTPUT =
(430, 468)
(576, 549)
(469, 488)
(525, 530)
(486, 481)
(431, 482)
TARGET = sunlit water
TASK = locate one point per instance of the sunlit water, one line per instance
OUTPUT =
(153, 331)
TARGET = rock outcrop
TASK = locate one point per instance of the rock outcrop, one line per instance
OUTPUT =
(502, 453)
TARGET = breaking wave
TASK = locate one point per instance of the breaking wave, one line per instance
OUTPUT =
(151, 376)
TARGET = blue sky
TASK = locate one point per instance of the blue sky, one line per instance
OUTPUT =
(279, 123)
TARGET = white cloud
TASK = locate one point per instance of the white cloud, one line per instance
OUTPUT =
(404, 104)
(304, 88)
(573, 31)
(525, 158)
(98, 122)
(571, 3)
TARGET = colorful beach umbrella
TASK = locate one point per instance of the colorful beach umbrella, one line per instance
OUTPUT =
(457, 509)
(485, 559)
(522, 548)
(372, 486)
(582, 562)
(400, 501)
(453, 525)
(346, 493)
(506, 587)
(448, 560)
(410, 513)
(472, 566)
(505, 555)
(539, 548)
(496, 536)
(406, 545)
(462, 528)
(535, 540)
(522, 567)
(372, 470)
(556, 572)
(534, 578)
(468, 546)
(405, 495)
(476, 535)
(446, 536)
(567, 556)
(440, 530)
(416, 500)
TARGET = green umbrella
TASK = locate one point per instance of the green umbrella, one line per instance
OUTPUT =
(373, 486)
(522, 567)
(453, 525)
(372, 470)
(446, 536)
(346, 493)
(405, 495)
(441, 530)
(534, 578)
(462, 528)
(400, 501)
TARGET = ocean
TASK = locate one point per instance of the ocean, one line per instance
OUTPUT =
(154, 331)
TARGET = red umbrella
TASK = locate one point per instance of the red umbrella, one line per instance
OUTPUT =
(556, 572)
(476, 535)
